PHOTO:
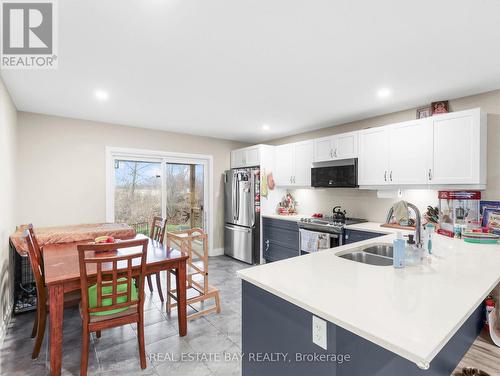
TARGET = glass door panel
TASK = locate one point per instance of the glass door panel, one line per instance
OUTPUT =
(138, 193)
(185, 188)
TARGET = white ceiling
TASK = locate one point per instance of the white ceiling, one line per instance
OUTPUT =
(223, 68)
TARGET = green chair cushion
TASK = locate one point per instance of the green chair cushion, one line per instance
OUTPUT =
(122, 287)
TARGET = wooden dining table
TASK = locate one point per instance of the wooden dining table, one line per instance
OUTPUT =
(62, 275)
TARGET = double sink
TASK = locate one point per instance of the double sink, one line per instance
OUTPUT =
(374, 254)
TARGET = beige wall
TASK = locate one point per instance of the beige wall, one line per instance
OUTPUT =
(62, 173)
(8, 144)
(365, 204)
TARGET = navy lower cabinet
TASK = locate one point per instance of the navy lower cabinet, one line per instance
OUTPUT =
(353, 236)
(280, 239)
(277, 341)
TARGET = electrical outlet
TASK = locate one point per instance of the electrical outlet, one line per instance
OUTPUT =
(319, 332)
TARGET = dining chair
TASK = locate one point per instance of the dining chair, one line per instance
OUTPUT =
(112, 289)
(157, 233)
(42, 302)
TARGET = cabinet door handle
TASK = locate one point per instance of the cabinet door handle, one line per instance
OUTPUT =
(335, 153)
(267, 245)
(430, 174)
(331, 153)
(385, 175)
(391, 175)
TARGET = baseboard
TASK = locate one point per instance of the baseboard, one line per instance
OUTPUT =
(216, 252)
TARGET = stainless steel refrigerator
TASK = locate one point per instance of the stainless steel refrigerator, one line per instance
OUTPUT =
(242, 214)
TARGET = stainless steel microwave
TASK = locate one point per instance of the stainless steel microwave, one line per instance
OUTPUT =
(335, 174)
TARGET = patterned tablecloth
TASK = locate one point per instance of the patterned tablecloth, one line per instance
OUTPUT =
(72, 233)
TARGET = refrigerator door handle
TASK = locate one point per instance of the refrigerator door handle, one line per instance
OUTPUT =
(233, 196)
(252, 208)
(237, 206)
(237, 228)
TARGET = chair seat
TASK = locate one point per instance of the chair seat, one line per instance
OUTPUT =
(130, 311)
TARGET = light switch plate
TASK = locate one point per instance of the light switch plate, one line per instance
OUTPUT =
(319, 332)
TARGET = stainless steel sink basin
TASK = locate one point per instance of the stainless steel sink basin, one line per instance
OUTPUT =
(375, 254)
(367, 258)
(385, 250)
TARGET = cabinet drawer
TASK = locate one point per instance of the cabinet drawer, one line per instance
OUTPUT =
(353, 236)
(281, 223)
(277, 251)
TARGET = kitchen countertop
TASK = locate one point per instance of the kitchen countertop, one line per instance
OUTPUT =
(294, 217)
(365, 226)
(412, 312)
(375, 227)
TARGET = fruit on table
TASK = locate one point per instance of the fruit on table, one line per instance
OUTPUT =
(104, 239)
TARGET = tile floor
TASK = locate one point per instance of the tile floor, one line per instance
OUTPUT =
(210, 339)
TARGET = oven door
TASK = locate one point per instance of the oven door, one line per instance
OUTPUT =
(313, 241)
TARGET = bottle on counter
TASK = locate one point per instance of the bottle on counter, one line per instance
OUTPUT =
(412, 253)
(399, 246)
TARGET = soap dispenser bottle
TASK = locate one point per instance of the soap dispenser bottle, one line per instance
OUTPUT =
(412, 252)
(399, 251)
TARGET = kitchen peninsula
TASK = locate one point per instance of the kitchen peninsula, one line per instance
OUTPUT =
(414, 321)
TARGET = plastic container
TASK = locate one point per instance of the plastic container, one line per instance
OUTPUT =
(429, 234)
(399, 245)
(413, 253)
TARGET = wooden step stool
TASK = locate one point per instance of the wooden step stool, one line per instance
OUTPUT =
(197, 267)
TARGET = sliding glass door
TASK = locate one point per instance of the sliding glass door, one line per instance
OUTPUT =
(185, 196)
(174, 188)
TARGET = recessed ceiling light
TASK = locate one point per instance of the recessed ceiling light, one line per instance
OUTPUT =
(101, 95)
(384, 92)
(265, 127)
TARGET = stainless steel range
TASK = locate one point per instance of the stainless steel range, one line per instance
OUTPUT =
(323, 233)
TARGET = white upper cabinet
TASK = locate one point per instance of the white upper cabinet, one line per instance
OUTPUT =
(410, 152)
(323, 149)
(283, 164)
(303, 157)
(246, 157)
(459, 148)
(341, 146)
(442, 150)
(373, 163)
(347, 145)
(293, 164)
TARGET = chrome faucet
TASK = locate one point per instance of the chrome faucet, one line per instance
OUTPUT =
(418, 222)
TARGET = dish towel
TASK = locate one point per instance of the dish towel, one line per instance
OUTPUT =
(313, 241)
(400, 213)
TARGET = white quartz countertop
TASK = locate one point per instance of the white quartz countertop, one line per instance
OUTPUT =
(412, 312)
(366, 226)
(294, 217)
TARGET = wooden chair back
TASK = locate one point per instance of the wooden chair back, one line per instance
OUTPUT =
(36, 247)
(104, 265)
(36, 261)
(158, 228)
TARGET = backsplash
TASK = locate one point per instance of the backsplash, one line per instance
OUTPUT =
(358, 203)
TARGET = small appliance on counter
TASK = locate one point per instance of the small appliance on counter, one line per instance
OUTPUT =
(458, 212)
(324, 233)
